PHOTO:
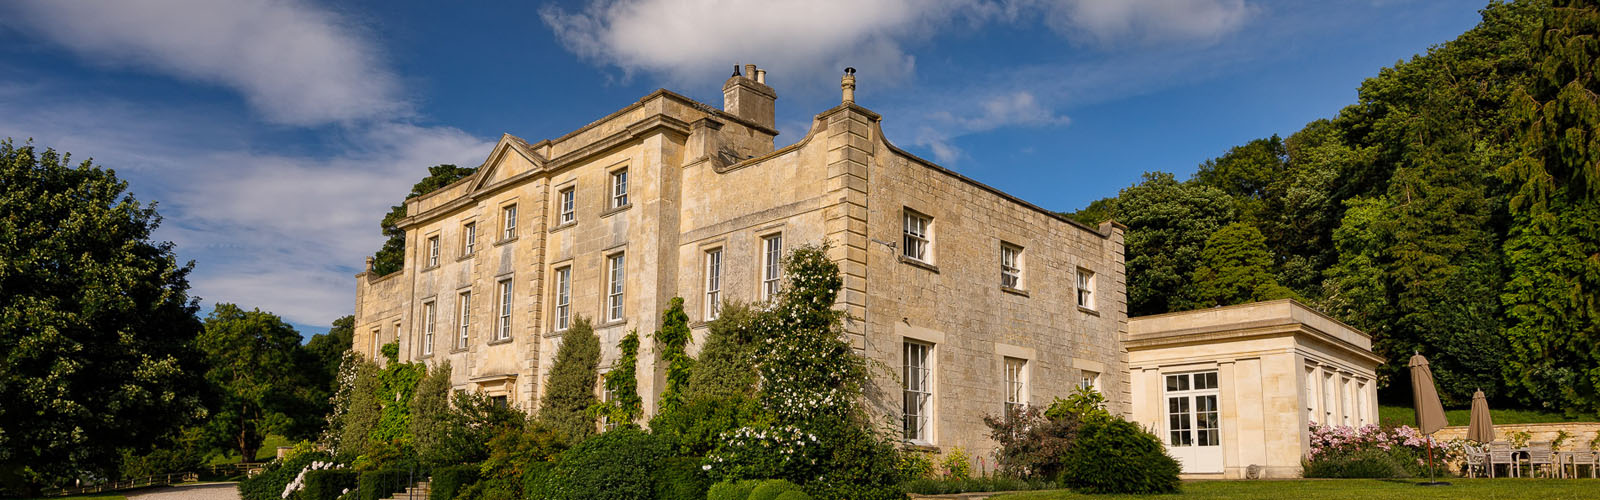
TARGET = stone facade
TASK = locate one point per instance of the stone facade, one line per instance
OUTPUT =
(702, 180)
(1269, 370)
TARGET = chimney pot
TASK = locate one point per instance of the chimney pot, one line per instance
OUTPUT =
(750, 71)
(761, 76)
(847, 86)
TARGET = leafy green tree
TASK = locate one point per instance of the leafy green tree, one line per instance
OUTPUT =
(570, 392)
(1168, 225)
(97, 328)
(1249, 173)
(1551, 297)
(250, 358)
(356, 407)
(317, 372)
(1235, 268)
(625, 407)
(672, 342)
(391, 257)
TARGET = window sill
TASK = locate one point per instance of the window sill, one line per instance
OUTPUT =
(614, 210)
(506, 340)
(1089, 311)
(454, 350)
(425, 356)
(615, 322)
(922, 447)
(564, 226)
(1014, 291)
(699, 324)
(465, 256)
(555, 333)
(429, 268)
(918, 263)
(506, 240)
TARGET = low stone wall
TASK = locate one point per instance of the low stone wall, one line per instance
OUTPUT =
(1580, 432)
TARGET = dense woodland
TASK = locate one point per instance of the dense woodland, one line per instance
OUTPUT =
(1453, 210)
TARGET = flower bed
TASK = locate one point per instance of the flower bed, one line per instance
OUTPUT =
(1371, 451)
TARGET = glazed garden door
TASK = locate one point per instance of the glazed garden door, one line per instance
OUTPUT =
(1194, 434)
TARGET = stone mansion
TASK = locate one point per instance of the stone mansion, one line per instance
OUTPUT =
(977, 299)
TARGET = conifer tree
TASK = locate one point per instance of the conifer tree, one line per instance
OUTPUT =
(1235, 268)
(566, 403)
(727, 364)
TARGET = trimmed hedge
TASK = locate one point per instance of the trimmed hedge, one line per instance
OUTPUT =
(793, 495)
(449, 481)
(615, 465)
(379, 484)
(681, 478)
(927, 486)
(328, 484)
(728, 490)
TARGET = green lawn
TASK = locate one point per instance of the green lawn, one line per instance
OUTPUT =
(268, 451)
(1362, 489)
(1404, 415)
(103, 496)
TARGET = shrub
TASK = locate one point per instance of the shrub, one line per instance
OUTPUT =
(793, 495)
(929, 486)
(619, 464)
(681, 478)
(374, 485)
(447, 482)
(915, 465)
(328, 484)
(1369, 463)
(956, 464)
(270, 483)
(533, 478)
(699, 424)
(1031, 444)
(570, 392)
(771, 488)
(1113, 455)
(732, 490)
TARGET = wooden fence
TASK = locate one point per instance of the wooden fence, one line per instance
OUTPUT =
(143, 482)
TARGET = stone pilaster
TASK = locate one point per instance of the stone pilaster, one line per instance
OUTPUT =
(850, 150)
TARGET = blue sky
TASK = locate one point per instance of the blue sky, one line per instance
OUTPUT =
(275, 134)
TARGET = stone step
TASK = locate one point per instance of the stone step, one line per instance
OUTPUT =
(418, 491)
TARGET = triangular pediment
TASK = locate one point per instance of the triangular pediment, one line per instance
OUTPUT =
(510, 157)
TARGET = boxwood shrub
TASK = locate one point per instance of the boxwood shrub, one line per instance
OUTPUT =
(771, 488)
(681, 478)
(1113, 455)
(732, 490)
(328, 484)
(616, 465)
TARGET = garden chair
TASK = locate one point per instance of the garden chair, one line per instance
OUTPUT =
(1581, 457)
(1500, 453)
(1540, 456)
(1477, 459)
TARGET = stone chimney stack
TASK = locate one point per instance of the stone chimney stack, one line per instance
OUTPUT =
(748, 96)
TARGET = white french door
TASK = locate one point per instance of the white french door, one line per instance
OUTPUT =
(1194, 431)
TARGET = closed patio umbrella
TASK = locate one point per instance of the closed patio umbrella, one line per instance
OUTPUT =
(1430, 413)
(1481, 427)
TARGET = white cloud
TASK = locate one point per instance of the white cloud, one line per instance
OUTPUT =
(295, 64)
(687, 40)
(1007, 109)
(1116, 22)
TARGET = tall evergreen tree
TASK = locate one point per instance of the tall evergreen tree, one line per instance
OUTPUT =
(1553, 250)
(727, 364)
(570, 392)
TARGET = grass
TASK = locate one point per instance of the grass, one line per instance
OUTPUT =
(1364, 489)
(97, 496)
(1404, 415)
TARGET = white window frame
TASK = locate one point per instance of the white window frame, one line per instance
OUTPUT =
(917, 236)
(771, 266)
(433, 250)
(568, 204)
(1016, 379)
(1010, 266)
(469, 238)
(616, 286)
(563, 315)
(713, 283)
(503, 327)
(1088, 380)
(430, 316)
(377, 335)
(464, 318)
(606, 396)
(1085, 289)
(917, 391)
(508, 222)
(619, 188)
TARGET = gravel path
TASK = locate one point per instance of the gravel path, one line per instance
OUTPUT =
(203, 491)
